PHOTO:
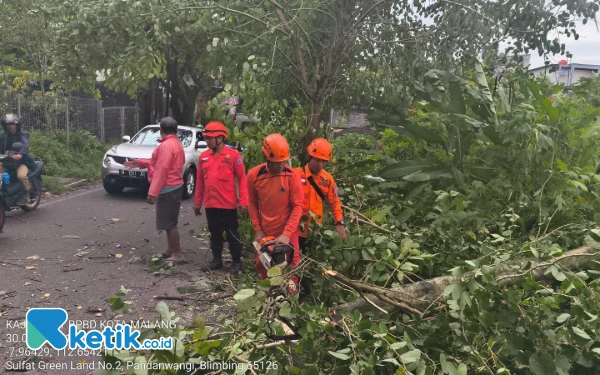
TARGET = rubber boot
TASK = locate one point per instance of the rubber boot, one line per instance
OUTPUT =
(236, 258)
(217, 262)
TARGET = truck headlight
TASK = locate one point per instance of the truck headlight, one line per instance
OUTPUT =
(107, 162)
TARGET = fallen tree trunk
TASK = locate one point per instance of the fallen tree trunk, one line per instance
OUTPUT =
(421, 296)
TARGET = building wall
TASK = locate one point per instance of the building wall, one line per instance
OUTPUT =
(556, 79)
(355, 119)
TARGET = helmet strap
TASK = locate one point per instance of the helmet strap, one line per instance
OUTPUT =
(219, 145)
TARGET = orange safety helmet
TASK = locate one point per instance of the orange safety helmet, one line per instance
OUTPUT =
(215, 129)
(320, 148)
(276, 148)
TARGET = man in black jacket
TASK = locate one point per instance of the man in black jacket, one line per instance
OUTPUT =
(11, 124)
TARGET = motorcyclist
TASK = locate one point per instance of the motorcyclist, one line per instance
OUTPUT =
(11, 124)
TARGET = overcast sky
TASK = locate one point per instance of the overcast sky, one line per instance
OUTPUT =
(586, 50)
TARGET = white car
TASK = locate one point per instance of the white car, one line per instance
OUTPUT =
(116, 177)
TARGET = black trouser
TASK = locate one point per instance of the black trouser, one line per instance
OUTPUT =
(304, 279)
(223, 220)
(302, 243)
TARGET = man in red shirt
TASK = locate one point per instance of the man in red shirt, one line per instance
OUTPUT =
(276, 199)
(164, 174)
(216, 189)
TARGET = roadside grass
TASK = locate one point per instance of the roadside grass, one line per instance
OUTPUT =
(54, 185)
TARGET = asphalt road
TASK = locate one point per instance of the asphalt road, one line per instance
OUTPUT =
(75, 251)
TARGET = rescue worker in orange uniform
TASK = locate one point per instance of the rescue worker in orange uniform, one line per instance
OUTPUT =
(218, 167)
(276, 199)
(319, 186)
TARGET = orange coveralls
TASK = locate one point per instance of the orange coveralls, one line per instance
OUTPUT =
(313, 202)
(275, 207)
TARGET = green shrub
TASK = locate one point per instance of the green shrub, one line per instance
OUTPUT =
(81, 158)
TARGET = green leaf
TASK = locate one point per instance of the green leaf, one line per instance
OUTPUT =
(482, 82)
(429, 175)
(411, 356)
(459, 176)
(563, 317)
(244, 293)
(140, 369)
(462, 369)
(491, 132)
(551, 111)
(557, 274)
(398, 345)
(595, 234)
(163, 309)
(457, 101)
(408, 167)
(416, 191)
(204, 347)
(450, 289)
(542, 364)
(581, 333)
(246, 67)
(274, 271)
(228, 87)
(285, 310)
(562, 362)
(276, 280)
(418, 132)
(310, 370)
(343, 357)
(404, 215)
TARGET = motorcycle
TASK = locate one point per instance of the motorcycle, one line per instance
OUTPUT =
(11, 193)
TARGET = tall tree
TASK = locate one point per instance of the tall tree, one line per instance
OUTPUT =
(133, 43)
(26, 34)
(323, 46)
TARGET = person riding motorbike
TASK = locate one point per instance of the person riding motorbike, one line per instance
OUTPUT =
(12, 134)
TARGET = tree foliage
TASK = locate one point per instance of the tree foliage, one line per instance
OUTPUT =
(26, 40)
(320, 53)
(520, 191)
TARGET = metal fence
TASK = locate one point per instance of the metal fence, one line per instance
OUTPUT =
(64, 113)
(120, 121)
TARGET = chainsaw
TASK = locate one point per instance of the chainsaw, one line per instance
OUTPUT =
(272, 253)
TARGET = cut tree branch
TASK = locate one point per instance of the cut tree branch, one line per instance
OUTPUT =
(422, 294)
